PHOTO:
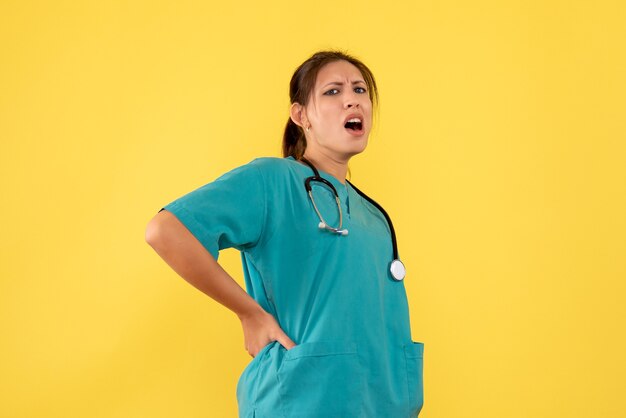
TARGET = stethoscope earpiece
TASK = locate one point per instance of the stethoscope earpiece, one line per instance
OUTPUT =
(322, 225)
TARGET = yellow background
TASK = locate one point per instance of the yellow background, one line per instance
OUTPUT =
(500, 155)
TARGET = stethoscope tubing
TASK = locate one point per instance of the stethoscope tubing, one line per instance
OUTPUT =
(384, 212)
(317, 177)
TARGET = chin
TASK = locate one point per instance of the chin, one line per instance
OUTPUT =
(355, 150)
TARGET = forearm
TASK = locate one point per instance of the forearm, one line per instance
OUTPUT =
(187, 257)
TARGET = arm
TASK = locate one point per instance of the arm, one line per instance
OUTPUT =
(186, 256)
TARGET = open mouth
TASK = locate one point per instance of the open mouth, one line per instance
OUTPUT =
(354, 124)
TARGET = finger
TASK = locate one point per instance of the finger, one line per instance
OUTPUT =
(285, 341)
(255, 352)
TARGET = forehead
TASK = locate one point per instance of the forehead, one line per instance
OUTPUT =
(340, 71)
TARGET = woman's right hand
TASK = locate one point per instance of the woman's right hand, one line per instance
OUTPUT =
(187, 256)
(259, 329)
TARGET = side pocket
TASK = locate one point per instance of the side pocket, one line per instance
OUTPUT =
(247, 383)
(414, 355)
(321, 379)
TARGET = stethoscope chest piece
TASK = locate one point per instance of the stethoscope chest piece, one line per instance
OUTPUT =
(398, 271)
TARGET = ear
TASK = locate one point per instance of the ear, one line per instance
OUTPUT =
(298, 115)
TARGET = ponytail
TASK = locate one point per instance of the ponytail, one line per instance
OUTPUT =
(294, 142)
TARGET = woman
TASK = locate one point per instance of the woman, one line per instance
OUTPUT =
(325, 318)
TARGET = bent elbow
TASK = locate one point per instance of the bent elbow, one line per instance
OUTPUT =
(154, 230)
(151, 233)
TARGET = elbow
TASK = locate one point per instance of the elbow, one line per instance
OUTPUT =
(161, 229)
(151, 233)
(154, 231)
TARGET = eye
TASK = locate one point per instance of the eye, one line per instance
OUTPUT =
(330, 92)
(360, 90)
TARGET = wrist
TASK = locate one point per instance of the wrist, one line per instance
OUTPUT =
(250, 311)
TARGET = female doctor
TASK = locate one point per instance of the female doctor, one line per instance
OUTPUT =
(325, 316)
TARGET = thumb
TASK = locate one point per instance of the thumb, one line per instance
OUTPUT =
(285, 341)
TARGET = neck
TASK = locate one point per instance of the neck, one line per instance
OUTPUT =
(334, 167)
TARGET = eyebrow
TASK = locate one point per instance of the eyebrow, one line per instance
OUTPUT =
(338, 83)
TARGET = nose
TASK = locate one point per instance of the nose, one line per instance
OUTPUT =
(351, 101)
(351, 98)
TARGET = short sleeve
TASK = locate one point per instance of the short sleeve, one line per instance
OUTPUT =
(228, 212)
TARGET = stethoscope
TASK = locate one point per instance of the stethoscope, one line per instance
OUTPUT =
(397, 269)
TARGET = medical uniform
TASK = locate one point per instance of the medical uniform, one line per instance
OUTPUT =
(332, 294)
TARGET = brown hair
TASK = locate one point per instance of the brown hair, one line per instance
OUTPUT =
(301, 85)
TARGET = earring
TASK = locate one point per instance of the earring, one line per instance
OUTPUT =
(308, 128)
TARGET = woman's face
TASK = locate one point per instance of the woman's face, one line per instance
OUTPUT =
(339, 112)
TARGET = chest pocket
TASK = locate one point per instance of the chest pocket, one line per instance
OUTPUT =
(321, 379)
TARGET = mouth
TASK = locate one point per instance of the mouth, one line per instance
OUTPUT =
(354, 125)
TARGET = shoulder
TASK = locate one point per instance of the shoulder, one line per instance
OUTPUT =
(262, 172)
(273, 169)
(271, 164)
(259, 166)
